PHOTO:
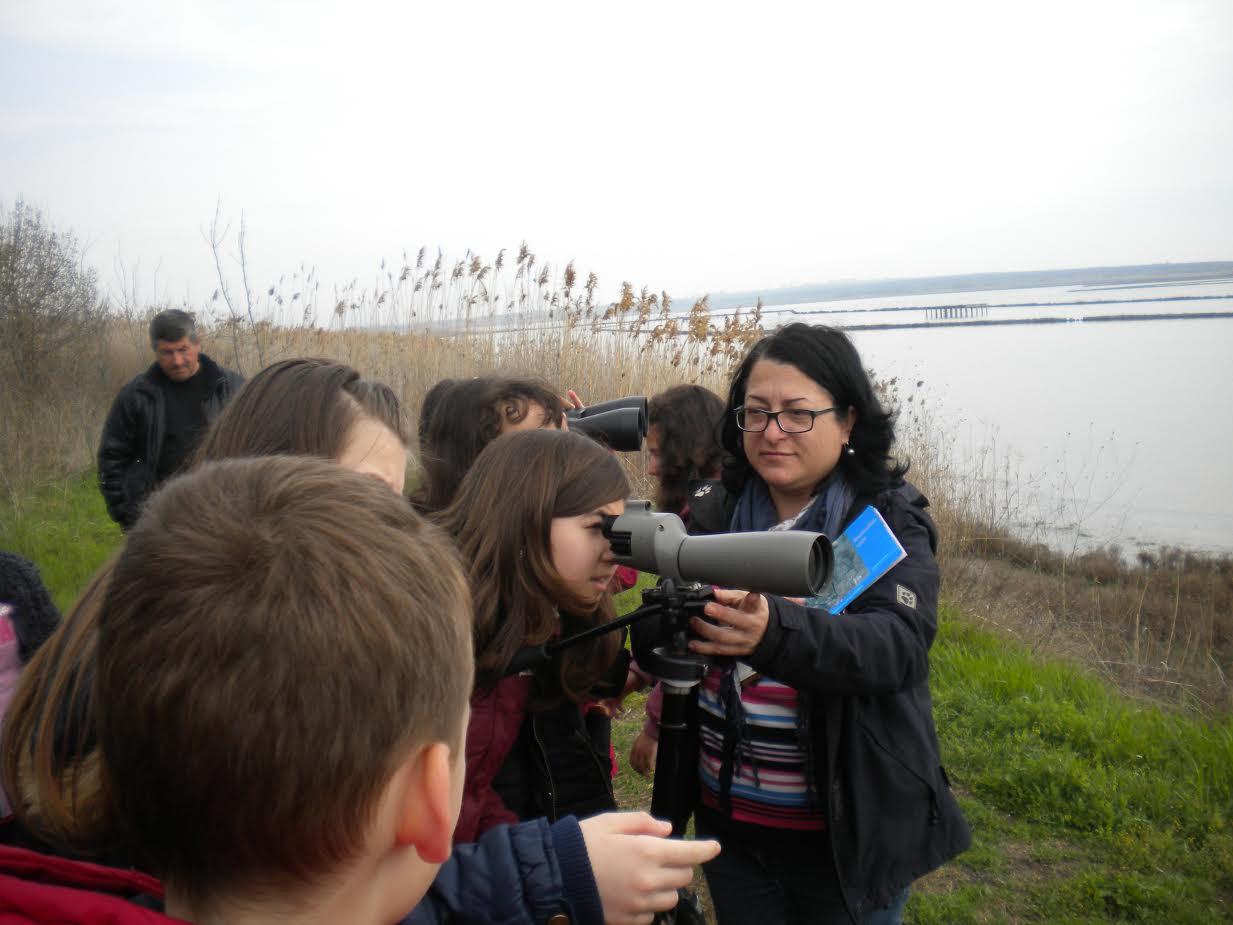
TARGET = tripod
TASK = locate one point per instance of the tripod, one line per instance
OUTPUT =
(659, 636)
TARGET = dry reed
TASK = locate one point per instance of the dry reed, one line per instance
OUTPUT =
(1163, 623)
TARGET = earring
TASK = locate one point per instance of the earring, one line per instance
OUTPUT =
(847, 450)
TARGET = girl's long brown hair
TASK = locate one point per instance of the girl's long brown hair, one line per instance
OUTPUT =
(48, 758)
(502, 518)
(48, 762)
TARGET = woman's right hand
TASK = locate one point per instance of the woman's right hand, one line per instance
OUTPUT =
(637, 868)
(642, 754)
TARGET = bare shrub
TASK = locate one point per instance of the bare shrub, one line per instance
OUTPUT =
(52, 351)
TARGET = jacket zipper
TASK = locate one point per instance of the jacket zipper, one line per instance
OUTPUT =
(543, 753)
(604, 775)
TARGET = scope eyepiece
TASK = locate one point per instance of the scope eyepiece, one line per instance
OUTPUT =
(620, 542)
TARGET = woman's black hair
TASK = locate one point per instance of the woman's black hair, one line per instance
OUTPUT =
(828, 357)
(688, 418)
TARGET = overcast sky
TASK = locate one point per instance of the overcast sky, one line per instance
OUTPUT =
(683, 146)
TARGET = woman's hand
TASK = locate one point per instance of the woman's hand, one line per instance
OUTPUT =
(736, 622)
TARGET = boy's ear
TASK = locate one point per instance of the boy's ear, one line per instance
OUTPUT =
(426, 811)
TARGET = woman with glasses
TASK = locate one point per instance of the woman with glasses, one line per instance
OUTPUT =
(819, 766)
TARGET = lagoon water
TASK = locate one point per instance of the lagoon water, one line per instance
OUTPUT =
(1111, 432)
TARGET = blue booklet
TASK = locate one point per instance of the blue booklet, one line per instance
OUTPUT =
(865, 552)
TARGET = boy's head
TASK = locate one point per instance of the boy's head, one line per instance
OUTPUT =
(284, 666)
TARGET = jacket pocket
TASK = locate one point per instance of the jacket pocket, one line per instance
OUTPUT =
(134, 486)
(902, 784)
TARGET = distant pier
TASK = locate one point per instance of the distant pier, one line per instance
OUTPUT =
(948, 312)
(1087, 319)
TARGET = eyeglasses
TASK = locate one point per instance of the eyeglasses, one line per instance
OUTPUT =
(790, 420)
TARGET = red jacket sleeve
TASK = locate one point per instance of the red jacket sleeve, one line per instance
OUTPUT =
(496, 717)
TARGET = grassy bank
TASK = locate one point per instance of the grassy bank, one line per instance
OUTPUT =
(1086, 805)
(63, 528)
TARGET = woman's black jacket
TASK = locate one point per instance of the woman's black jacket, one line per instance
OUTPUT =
(863, 678)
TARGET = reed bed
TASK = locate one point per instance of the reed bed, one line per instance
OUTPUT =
(1160, 624)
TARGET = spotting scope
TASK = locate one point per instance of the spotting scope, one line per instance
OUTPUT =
(791, 563)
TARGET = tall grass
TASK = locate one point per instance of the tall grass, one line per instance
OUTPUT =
(1085, 807)
(1162, 624)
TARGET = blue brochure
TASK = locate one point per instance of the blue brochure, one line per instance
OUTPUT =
(865, 552)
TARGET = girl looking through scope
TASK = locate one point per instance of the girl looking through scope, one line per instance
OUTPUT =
(539, 567)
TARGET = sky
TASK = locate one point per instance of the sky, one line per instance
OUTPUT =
(687, 147)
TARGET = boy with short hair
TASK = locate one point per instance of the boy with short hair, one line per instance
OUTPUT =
(284, 665)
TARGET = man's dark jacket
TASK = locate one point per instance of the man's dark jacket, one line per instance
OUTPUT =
(890, 814)
(133, 436)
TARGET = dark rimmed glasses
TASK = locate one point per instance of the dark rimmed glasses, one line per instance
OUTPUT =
(790, 420)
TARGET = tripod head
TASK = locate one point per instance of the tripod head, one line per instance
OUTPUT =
(659, 638)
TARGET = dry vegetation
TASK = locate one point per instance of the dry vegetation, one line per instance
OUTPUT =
(1161, 624)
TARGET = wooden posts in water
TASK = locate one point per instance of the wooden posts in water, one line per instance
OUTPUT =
(948, 312)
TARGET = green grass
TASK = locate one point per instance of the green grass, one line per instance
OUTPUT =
(1085, 806)
(64, 530)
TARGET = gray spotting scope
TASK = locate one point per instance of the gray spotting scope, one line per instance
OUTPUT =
(791, 563)
(619, 424)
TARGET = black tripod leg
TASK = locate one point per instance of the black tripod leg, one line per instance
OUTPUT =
(676, 760)
(676, 772)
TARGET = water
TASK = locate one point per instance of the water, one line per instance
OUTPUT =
(1113, 432)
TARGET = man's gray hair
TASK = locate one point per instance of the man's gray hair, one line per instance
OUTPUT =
(172, 325)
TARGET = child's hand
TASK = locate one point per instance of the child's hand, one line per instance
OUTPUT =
(609, 706)
(572, 403)
(637, 868)
(633, 682)
(642, 754)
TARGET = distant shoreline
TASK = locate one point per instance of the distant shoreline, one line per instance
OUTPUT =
(993, 322)
(917, 308)
(1088, 277)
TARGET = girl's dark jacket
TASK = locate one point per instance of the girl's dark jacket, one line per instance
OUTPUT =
(527, 759)
(863, 678)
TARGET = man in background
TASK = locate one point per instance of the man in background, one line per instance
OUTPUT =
(158, 418)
